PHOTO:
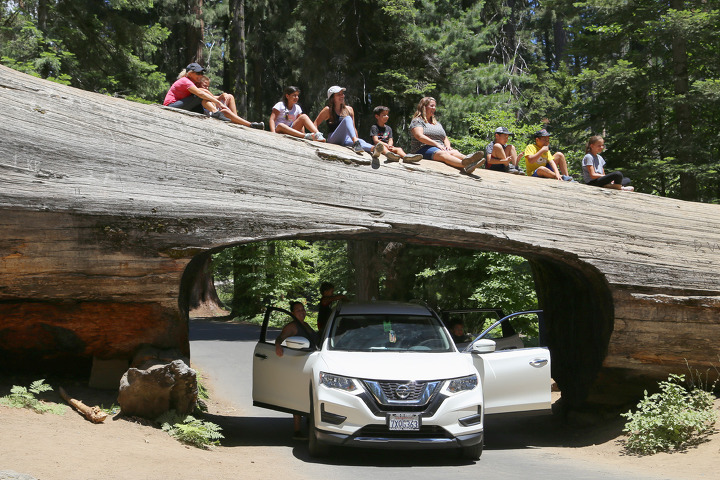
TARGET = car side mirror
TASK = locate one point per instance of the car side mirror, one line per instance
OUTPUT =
(297, 343)
(484, 345)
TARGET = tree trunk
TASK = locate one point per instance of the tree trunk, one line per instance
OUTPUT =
(395, 282)
(683, 115)
(201, 292)
(195, 32)
(363, 256)
(42, 13)
(238, 61)
(560, 42)
(95, 247)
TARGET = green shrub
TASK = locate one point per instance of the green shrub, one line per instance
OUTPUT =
(673, 418)
(21, 397)
(190, 430)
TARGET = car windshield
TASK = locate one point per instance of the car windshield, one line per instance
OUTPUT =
(396, 333)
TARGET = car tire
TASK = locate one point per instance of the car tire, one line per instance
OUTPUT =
(472, 452)
(316, 448)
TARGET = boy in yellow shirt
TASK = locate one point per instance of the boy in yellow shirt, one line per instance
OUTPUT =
(540, 163)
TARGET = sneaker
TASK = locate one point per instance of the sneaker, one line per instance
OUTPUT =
(309, 136)
(319, 137)
(628, 188)
(377, 150)
(392, 157)
(568, 178)
(357, 147)
(474, 158)
(470, 168)
(258, 125)
(412, 158)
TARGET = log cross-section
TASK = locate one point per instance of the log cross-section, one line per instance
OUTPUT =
(104, 202)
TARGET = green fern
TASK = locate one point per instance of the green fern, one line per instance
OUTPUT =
(190, 430)
(21, 397)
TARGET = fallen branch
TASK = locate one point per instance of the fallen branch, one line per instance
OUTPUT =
(94, 414)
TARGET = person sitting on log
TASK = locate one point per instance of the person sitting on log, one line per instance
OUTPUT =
(341, 122)
(287, 117)
(541, 164)
(430, 140)
(593, 168)
(227, 99)
(186, 94)
(500, 156)
(382, 138)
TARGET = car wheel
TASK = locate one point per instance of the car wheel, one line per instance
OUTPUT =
(315, 447)
(472, 452)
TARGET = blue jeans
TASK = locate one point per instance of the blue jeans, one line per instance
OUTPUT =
(188, 103)
(344, 134)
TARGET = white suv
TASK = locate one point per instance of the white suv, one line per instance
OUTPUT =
(388, 375)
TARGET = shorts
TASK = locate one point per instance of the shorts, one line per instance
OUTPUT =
(428, 151)
(547, 166)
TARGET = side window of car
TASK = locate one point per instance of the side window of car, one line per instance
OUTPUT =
(272, 334)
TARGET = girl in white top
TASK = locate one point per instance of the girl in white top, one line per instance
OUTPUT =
(287, 117)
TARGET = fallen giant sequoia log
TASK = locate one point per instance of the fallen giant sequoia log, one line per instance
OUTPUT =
(105, 202)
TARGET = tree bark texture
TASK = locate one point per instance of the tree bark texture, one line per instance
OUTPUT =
(104, 204)
(196, 32)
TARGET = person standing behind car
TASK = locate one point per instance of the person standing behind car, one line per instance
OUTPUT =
(327, 297)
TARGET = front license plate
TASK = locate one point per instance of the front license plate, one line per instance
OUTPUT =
(404, 421)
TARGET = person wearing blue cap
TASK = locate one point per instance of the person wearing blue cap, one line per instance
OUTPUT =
(187, 94)
(539, 162)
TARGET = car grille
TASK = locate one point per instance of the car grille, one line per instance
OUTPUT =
(429, 431)
(402, 393)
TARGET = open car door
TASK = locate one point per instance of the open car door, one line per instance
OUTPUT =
(281, 383)
(515, 380)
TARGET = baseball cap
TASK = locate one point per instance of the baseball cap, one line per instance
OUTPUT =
(542, 133)
(503, 130)
(333, 90)
(195, 67)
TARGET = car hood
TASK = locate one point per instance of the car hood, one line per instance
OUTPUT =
(397, 365)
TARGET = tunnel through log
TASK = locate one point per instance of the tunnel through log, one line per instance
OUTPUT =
(579, 315)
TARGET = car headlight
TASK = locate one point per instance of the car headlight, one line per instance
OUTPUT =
(463, 384)
(338, 382)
